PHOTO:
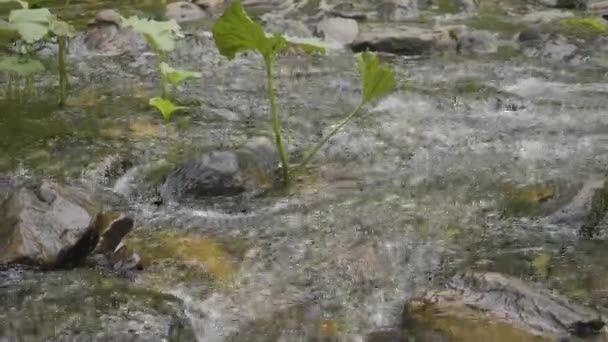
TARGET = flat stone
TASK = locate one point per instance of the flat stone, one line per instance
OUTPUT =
(409, 41)
(341, 30)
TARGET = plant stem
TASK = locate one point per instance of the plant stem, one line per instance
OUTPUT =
(63, 79)
(308, 156)
(9, 94)
(276, 124)
(160, 57)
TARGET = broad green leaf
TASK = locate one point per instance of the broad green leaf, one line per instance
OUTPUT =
(377, 79)
(61, 28)
(176, 76)
(160, 34)
(235, 32)
(32, 24)
(165, 107)
(20, 66)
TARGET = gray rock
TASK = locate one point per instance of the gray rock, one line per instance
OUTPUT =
(530, 36)
(341, 30)
(106, 16)
(397, 10)
(600, 6)
(209, 5)
(184, 11)
(513, 301)
(50, 226)
(576, 4)
(105, 35)
(477, 42)
(409, 41)
(249, 168)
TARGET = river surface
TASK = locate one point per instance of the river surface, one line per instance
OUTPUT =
(453, 171)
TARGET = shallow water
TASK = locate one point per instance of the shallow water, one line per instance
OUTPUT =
(413, 191)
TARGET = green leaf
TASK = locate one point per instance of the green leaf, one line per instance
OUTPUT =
(20, 66)
(32, 24)
(61, 28)
(176, 76)
(235, 32)
(377, 79)
(165, 107)
(159, 34)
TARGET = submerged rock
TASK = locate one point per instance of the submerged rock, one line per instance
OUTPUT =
(84, 305)
(249, 168)
(577, 4)
(54, 226)
(477, 42)
(505, 299)
(409, 41)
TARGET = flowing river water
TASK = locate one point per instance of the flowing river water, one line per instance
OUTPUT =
(460, 168)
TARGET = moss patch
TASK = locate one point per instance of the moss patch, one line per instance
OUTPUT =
(580, 27)
(193, 257)
(463, 324)
(525, 200)
(505, 27)
(447, 6)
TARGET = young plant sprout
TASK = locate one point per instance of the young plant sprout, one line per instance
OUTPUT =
(33, 25)
(235, 32)
(63, 31)
(165, 107)
(377, 80)
(161, 37)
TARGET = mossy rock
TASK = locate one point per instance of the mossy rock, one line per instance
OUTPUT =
(506, 27)
(579, 27)
(465, 325)
(524, 200)
(81, 303)
(185, 257)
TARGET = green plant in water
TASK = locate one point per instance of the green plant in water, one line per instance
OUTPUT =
(33, 25)
(236, 32)
(161, 37)
(377, 80)
(165, 107)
